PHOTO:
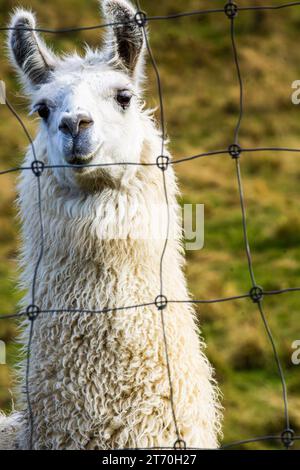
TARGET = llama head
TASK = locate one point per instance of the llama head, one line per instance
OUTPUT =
(90, 107)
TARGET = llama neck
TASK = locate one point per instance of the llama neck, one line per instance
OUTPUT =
(97, 245)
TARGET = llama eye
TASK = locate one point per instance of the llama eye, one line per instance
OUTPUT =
(43, 111)
(123, 98)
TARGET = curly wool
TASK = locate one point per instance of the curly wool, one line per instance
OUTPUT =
(99, 381)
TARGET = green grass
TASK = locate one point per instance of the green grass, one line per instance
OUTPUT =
(201, 103)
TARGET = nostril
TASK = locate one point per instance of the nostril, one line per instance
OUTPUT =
(67, 126)
(85, 123)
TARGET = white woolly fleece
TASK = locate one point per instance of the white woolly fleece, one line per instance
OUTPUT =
(99, 381)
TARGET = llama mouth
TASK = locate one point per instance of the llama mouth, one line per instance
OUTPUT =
(80, 162)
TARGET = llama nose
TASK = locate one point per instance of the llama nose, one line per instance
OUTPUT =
(73, 125)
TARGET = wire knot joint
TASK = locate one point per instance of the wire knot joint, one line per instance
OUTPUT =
(234, 150)
(161, 302)
(32, 312)
(231, 10)
(162, 162)
(287, 437)
(37, 167)
(180, 444)
(140, 18)
(256, 294)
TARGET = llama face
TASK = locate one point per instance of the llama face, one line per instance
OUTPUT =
(90, 116)
(89, 107)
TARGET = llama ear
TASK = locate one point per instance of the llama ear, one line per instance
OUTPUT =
(28, 52)
(125, 42)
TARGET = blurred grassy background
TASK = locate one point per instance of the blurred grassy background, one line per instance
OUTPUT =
(201, 102)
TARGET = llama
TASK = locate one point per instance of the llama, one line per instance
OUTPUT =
(100, 381)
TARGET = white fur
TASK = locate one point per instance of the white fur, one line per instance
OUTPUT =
(99, 381)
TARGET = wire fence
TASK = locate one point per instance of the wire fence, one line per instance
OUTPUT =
(285, 436)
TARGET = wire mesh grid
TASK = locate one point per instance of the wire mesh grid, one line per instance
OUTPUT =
(287, 435)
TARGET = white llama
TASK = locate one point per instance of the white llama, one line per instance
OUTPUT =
(100, 381)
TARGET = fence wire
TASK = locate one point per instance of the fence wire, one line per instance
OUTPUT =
(287, 435)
